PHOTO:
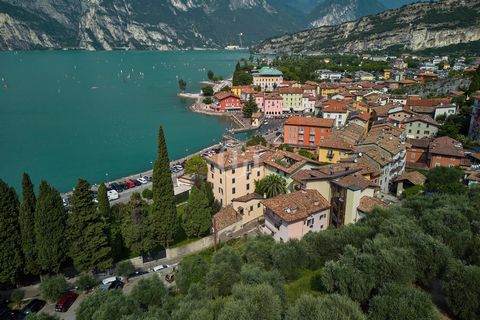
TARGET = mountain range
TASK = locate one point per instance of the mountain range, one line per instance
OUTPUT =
(167, 24)
(414, 27)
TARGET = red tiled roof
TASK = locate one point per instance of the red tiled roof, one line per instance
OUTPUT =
(310, 122)
(421, 118)
(337, 106)
(355, 181)
(335, 142)
(273, 96)
(226, 217)
(427, 102)
(419, 143)
(367, 204)
(290, 90)
(223, 95)
(414, 177)
(446, 146)
(297, 205)
(248, 197)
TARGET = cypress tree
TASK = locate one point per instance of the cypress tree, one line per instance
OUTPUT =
(163, 218)
(10, 249)
(103, 203)
(88, 242)
(197, 217)
(49, 227)
(27, 225)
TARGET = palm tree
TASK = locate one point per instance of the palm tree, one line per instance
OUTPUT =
(271, 186)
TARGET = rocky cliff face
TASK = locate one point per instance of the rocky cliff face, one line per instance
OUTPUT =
(146, 24)
(414, 27)
(333, 12)
(165, 24)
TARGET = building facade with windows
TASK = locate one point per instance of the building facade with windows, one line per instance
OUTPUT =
(233, 174)
(293, 215)
(267, 78)
(301, 131)
(419, 127)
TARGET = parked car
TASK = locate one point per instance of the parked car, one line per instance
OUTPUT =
(117, 187)
(66, 202)
(130, 184)
(112, 195)
(123, 185)
(33, 306)
(148, 178)
(136, 183)
(64, 303)
(142, 180)
(117, 284)
(137, 273)
(112, 279)
(160, 267)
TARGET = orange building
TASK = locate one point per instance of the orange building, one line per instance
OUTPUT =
(445, 152)
(307, 131)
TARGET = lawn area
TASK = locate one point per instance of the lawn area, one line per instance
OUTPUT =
(300, 286)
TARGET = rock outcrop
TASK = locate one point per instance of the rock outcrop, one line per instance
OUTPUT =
(414, 27)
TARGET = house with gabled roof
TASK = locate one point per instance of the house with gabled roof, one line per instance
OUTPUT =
(293, 215)
(420, 126)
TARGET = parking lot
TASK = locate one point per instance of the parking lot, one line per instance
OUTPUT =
(127, 289)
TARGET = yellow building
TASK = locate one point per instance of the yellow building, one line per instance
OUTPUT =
(333, 150)
(387, 74)
(237, 90)
(249, 207)
(267, 78)
(328, 89)
(233, 174)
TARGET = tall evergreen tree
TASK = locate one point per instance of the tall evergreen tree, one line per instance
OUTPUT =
(27, 225)
(50, 220)
(10, 248)
(197, 217)
(163, 218)
(103, 203)
(88, 242)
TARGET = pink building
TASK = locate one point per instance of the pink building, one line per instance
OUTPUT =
(259, 100)
(293, 215)
(273, 105)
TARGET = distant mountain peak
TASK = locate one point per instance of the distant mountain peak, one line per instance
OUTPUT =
(333, 12)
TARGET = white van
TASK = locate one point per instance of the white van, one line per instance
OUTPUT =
(111, 279)
(112, 195)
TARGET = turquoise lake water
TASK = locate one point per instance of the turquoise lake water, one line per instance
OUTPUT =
(95, 115)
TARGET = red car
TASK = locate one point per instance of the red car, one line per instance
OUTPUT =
(130, 184)
(64, 303)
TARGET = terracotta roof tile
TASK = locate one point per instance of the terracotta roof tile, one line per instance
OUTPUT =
(224, 94)
(226, 217)
(336, 142)
(248, 197)
(414, 177)
(297, 205)
(337, 106)
(285, 161)
(233, 158)
(446, 146)
(310, 122)
(419, 143)
(427, 102)
(290, 90)
(421, 118)
(367, 204)
(355, 182)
